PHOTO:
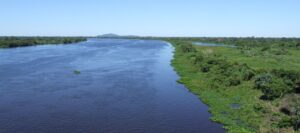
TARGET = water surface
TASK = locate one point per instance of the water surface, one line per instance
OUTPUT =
(125, 86)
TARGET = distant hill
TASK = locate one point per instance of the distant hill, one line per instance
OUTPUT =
(110, 35)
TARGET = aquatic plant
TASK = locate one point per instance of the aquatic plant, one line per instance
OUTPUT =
(76, 72)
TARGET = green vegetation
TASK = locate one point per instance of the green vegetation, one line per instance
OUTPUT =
(77, 72)
(251, 88)
(10, 42)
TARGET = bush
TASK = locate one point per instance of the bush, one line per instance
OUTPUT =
(187, 48)
(293, 120)
(285, 122)
(277, 88)
(297, 88)
(272, 87)
(234, 81)
(287, 74)
(291, 78)
(246, 72)
(296, 118)
(205, 68)
(279, 51)
(263, 80)
(198, 58)
(265, 48)
(298, 45)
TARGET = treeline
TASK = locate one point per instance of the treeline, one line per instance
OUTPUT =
(248, 41)
(10, 42)
(274, 84)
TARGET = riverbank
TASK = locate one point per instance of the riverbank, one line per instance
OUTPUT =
(227, 79)
(11, 42)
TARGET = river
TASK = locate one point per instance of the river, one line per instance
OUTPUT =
(101, 85)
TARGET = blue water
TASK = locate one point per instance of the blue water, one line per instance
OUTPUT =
(125, 86)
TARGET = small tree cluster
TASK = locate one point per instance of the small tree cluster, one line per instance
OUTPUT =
(187, 48)
(271, 86)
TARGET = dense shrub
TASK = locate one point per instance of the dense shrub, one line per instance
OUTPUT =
(233, 72)
(287, 74)
(205, 68)
(246, 72)
(187, 48)
(298, 45)
(233, 81)
(271, 86)
(277, 88)
(294, 112)
(265, 48)
(297, 87)
(291, 78)
(285, 122)
(296, 118)
(199, 58)
(279, 51)
(263, 80)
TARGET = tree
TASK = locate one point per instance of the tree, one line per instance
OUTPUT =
(272, 87)
(187, 48)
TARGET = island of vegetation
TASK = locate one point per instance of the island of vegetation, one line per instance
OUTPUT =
(11, 42)
(253, 87)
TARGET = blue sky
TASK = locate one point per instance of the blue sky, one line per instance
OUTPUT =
(267, 18)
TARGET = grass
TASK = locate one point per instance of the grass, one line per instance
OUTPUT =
(252, 114)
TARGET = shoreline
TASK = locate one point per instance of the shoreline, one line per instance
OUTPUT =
(225, 79)
(14, 42)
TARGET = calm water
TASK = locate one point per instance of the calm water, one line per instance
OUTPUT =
(125, 86)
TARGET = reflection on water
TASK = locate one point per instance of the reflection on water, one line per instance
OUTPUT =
(123, 86)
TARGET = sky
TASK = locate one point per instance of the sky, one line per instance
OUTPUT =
(198, 18)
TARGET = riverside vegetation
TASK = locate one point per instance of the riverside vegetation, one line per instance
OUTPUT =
(10, 42)
(253, 87)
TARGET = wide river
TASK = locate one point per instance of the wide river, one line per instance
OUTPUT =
(124, 86)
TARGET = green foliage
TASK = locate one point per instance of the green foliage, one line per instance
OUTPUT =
(205, 68)
(296, 118)
(10, 42)
(77, 72)
(271, 86)
(220, 74)
(263, 80)
(287, 74)
(233, 81)
(187, 48)
(277, 88)
(285, 122)
(199, 58)
(298, 45)
(293, 120)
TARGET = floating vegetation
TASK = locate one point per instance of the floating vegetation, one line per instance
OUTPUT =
(77, 72)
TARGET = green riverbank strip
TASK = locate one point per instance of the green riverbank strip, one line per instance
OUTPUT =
(226, 80)
(12, 42)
